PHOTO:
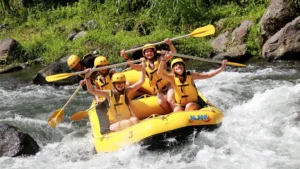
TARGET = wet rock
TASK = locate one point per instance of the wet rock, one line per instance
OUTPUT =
(12, 68)
(73, 34)
(80, 35)
(240, 33)
(16, 143)
(10, 51)
(284, 44)
(56, 68)
(231, 45)
(236, 54)
(219, 44)
(278, 14)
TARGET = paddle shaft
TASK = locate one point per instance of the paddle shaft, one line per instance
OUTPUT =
(82, 114)
(197, 58)
(106, 67)
(157, 43)
(91, 108)
(73, 95)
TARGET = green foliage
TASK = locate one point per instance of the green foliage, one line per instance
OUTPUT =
(253, 42)
(43, 29)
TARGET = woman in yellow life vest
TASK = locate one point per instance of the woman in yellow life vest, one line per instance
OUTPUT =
(185, 91)
(160, 87)
(103, 82)
(120, 114)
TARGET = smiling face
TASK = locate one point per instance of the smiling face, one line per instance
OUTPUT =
(178, 68)
(149, 53)
(119, 85)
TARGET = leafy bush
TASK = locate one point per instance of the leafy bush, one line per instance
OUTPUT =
(43, 29)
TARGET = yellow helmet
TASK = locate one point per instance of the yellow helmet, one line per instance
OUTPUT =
(73, 60)
(149, 46)
(177, 60)
(100, 61)
(118, 77)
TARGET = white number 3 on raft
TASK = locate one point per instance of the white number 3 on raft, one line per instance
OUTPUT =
(130, 134)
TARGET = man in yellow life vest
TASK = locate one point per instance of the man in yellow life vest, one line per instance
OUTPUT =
(161, 87)
(185, 91)
(76, 64)
(120, 114)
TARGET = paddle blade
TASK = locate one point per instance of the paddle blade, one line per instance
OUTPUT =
(203, 31)
(235, 64)
(61, 76)
(79, 115)
(56, 118)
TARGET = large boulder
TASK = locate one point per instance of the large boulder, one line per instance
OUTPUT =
(231, 45)
(16, 143)
(12, 68)
(236, 54)
(285, 44)
(56, 68)
(10, 51)
(278, 14)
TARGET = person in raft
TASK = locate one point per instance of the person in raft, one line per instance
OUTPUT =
(185, 91)
(103, 82)
(120, 114)
(161, 87)
(75, 64)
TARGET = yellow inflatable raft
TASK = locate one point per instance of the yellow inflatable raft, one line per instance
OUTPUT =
(156, 127)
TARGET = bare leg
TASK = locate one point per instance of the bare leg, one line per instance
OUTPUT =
(192, 106)
(170, 96)
(134, 120)
(120, 125)
(163, 103)
(178, 108)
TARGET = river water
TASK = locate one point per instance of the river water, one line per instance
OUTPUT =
(260, 128)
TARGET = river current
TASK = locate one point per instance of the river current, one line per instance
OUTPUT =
(260, 129)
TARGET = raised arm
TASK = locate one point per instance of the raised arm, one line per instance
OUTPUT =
(172, 48)
(207, 75)
(161, 67)
(137, 67)
(91, 89)
(134, 87)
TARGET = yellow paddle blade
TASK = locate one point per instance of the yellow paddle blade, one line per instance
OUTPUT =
(79, 115)
(56, 118)
(61, 76)
(203, 31)
(236, 64)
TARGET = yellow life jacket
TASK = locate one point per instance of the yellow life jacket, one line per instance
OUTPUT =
(107, 85)
(185, 92)
(118, 110)
(156, 82)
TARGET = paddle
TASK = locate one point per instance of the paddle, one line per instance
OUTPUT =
(82, 114)
(58, 115)
(61, 76)
(207, 60)
(199, 32)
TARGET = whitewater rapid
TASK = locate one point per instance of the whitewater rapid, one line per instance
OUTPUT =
(260, 128)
